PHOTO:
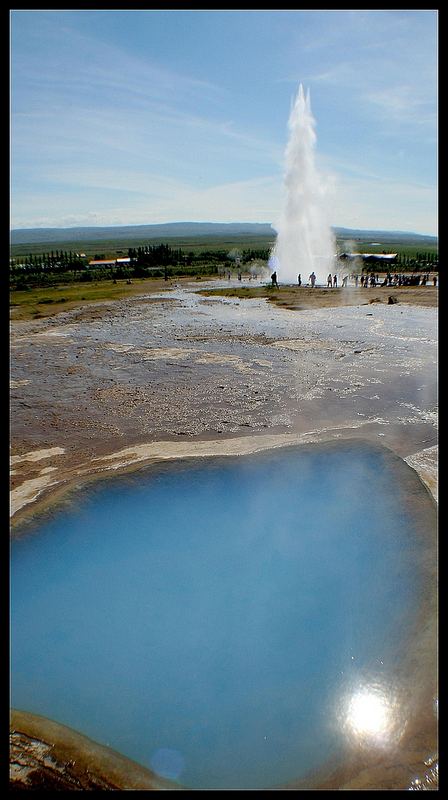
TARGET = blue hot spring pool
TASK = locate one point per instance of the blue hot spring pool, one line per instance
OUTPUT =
(228, 623)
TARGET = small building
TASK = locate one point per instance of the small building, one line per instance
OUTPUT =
(375, 258)
(115, 262)
(370, 258)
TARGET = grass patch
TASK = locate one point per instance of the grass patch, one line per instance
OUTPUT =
(239, 291)
(285, 296)
(301, 298)
(46, 302)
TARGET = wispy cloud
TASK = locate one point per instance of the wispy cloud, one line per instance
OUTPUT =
(135, 125)
(361, 202)
(93, 66)
(107, 103)
(161, 200)
(403, 103)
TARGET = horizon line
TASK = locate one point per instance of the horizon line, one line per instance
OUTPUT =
(203, 222)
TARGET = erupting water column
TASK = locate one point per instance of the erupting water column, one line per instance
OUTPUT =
(305, 242)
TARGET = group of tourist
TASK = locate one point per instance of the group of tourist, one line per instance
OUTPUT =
(366, 280)
(332, 281)
(395, 280)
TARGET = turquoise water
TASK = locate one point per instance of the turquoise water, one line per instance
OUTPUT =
(208, 618)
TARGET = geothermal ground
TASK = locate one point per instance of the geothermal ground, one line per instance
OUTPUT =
(176, 373)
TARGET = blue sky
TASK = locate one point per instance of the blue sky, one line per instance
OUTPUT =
(145, 116)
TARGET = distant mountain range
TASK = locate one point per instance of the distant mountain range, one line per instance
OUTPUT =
(189, 229)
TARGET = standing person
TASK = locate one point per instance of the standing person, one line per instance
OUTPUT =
(299, 279)
(329, 281)
(356, 280)
(344, 281)
(274, 279)
(312, 280)
(335, 281)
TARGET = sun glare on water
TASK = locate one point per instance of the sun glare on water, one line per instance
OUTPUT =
(372, 716)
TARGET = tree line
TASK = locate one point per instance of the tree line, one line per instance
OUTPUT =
(163, 254)
(418, 261)
(55, 260)
(160, 260)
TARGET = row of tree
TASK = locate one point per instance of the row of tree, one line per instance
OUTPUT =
(164, 255)
(156, 256)
(54, 261)
(163, 260)
(428, 258)
(419, 261)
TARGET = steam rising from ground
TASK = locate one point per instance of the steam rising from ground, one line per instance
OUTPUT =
(305, 241)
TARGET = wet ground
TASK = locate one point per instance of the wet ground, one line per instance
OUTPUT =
(111, 386)
(47, 756)
(187, 368)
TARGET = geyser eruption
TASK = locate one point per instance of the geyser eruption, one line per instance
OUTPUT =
(305, 241)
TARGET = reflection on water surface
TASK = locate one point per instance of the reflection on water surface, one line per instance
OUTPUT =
(229, 623)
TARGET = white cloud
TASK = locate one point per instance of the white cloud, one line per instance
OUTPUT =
(383, 204)
(403, 103)
(160, 200)
(124, 135)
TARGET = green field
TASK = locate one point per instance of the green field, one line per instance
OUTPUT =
(47, 301)
(43, 281)
(113, 248)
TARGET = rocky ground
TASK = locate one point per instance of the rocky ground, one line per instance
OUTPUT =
(181, 367)
(46, 756)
